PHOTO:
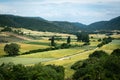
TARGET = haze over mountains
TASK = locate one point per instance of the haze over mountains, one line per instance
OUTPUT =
(40, 24)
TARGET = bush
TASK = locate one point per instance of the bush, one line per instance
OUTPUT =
(65, 45)
(86, 43)
(7, 29)
(105, 41)
(12, 49)
(98, 68)
(116, 52)
(99, 40)
(98, 54)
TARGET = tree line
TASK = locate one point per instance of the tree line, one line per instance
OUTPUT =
(105, 41)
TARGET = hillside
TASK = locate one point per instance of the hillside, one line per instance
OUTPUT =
(40, 24)
(27, 22)
(36, 23)
(69, 26)
(113, 24)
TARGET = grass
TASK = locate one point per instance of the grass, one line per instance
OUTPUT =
(38, 33)
(111, 46)
(70, 61)
(97, 36)
(24, 47)
(2, 49)
(27, 47)
(38, 43)
(24, 61)
(54, 54)
(116, 36)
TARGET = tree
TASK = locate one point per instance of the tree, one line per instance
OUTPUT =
(12, 49)
(98, 54)
(68, 40)
(52, 41)
(7, 29)
(105, 41)
(37, 72)
(65, 45)
(116, 52)
(84, 37)
(99, 66)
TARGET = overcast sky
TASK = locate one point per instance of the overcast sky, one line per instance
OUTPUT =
(83, 11)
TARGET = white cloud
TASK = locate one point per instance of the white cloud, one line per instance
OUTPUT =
(85, 11)
(4, 9)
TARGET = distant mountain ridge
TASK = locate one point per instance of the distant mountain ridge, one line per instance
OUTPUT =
(37, 23)
(27, 22)
(40, 24)
(113, 24)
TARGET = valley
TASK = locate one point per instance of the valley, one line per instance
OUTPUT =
(66, 57)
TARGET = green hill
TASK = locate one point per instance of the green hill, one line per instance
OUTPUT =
(37, 23)
(40, 24)
(113, 24)
(28, 22)
(69, 26)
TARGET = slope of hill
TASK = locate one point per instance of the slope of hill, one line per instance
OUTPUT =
(40, 24)
(36, 23)
(28, 22)
(113, 24)
(69, 26)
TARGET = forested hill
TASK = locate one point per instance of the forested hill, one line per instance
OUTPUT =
(113, 24)
(37, 23)
(33, 23)
(69, 26)
(40, 24)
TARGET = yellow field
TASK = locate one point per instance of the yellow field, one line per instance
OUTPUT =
(115, 35)
(38, 33)
(2, 49)
(54, 54)
(27, 47)
(98, 35)
(24, 47)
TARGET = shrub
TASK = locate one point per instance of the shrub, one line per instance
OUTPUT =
(98, 54)
(7, 29)
(105, 41)
(65, 45)
(98, 68)
(12, 49)
(116, 52)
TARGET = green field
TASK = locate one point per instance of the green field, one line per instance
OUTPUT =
(111, 46)
(25, 61)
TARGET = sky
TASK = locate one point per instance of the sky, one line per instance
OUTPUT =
(83, 11)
